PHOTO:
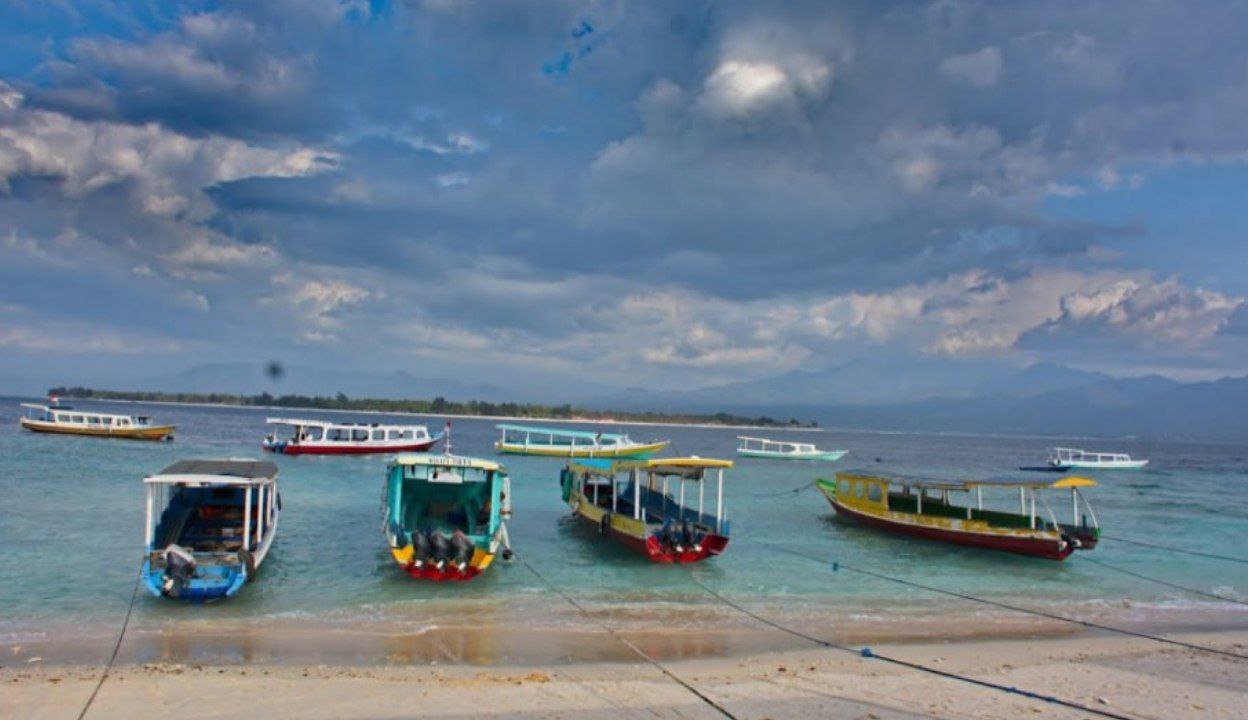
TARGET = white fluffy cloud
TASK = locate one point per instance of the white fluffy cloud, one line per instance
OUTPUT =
(981, 67)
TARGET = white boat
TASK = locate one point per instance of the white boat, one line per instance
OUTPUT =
(559, 442)
(65, 420)
(324, 437)
(784, 450)
(1066, 458)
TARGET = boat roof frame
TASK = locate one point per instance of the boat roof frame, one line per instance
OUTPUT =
(297, 422)
(533, 429)
(684, 466)
(77, 411)
(216, 472)
(1063, 483)
(447, 461)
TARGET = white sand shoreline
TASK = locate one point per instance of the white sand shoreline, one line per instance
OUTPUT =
(1127, 676)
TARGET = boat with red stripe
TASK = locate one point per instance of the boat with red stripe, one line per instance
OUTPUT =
(924, 508)
(327, 437)
(658, 508)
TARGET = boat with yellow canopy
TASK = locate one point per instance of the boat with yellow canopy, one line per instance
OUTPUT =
(649, 506)
(924, 508)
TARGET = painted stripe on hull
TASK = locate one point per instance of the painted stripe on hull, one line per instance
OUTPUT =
(556, 451)
(1031, 546)
(151, 432)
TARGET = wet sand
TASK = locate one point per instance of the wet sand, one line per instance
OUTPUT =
(1131, 677)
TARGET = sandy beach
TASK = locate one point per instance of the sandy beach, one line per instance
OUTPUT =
(1129, 677)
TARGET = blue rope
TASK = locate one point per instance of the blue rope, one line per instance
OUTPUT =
(867, 652)
(1016, 608)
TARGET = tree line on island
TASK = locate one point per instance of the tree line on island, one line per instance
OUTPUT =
(436, 406)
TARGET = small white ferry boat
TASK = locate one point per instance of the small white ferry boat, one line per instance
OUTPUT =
(783, 450)
(65, 420)
(325, 437)
(1067, 458)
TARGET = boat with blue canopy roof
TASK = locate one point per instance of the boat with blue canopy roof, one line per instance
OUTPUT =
(560, 442)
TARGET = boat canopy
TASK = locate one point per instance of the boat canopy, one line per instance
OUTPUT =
(296, 422)
(1065, 483)
(586, 434)
(686, 466)
(215, 472)
(797, 446)
(426, 460)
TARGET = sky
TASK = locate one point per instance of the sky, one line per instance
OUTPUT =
(579, 196)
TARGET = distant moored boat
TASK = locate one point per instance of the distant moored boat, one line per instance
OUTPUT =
(783, 450)
(1067, 458)
(325, 437)
(65, 420)
(551, 442)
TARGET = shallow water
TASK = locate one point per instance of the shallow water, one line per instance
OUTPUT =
(72, 512)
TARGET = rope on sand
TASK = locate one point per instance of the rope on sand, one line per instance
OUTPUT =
(1016, 608)
(134, 594)
(631, 646)
(867, 652)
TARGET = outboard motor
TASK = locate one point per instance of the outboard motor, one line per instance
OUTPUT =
(462, 549)
(687, 535)
(420, 549)
(440, 548)
(670, 537)
(180, 567)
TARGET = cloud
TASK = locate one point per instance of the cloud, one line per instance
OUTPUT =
(981, 68)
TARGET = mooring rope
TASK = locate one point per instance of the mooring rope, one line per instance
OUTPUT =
(867, 652)
(1016, 608)
(1167, 583)
(134, 594)
(1171, 548)
(793, 491)
(630, 645)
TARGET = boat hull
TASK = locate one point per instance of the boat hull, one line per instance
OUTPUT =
(149, 432)
(830, 456)
(288, 448)
(632, 535)
(481, 561)
(1120, 465)
(631, 451)
(1020, 543)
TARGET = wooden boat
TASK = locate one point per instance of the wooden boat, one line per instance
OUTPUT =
(324, 437)
(65, 420)
(526, 440)
(641, 504)
(922, 508)
(209, 526)
(753, 447)
(1063, 459)
(445, 516)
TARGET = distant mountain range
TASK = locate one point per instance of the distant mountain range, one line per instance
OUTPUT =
(932, 395)
(944, 396)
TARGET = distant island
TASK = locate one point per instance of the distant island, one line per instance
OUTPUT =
(436, 406)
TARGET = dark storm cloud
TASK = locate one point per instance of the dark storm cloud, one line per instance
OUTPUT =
(528, 174)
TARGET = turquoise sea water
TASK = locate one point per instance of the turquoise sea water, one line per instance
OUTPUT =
(71, 514)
